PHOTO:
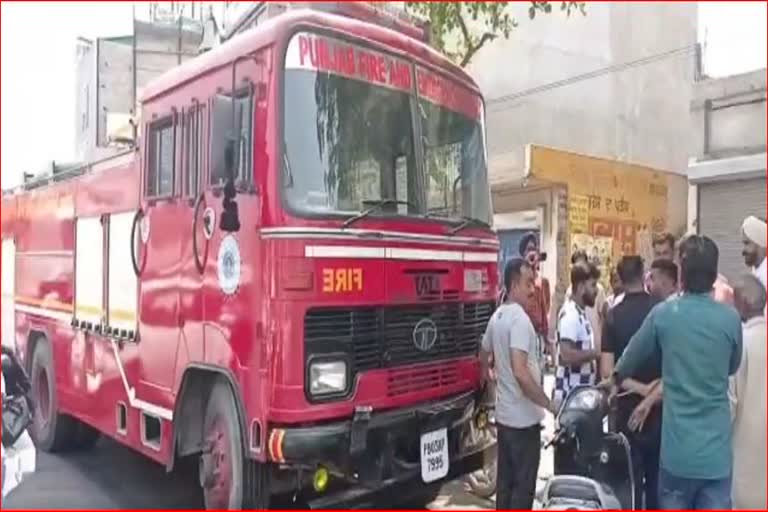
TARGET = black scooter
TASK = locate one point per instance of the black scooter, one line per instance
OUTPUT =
(17, 404)
(17, 410)
(593, 467)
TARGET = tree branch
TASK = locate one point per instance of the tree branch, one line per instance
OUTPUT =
(467, 37)
(449, 19)
(463, 27)
(472, 50)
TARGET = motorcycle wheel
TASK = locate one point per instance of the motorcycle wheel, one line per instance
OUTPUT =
(482, 482)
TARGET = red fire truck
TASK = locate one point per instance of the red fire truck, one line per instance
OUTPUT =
(287, 278)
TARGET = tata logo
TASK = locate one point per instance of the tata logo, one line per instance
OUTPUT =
(427, 284)
(425, 334)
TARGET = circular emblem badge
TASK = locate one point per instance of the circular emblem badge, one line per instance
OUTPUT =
(209, 221)
(144, 229)
(425, 334)
(229, 265)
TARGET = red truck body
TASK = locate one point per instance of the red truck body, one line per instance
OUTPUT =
(307, 340)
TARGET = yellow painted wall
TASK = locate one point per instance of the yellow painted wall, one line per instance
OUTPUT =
(624, 202)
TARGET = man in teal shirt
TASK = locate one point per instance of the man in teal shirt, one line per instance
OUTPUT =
(700, 344)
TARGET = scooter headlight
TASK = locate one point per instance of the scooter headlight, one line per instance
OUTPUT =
(585, 400)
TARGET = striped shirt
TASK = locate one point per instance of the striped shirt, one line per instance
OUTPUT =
(573, 325)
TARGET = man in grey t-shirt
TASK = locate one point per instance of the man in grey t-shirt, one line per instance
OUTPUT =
(510, 341)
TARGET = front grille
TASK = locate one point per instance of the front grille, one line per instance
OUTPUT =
(382, 337)
(418, 378)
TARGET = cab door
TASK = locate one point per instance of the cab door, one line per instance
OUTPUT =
(195, 230)
(159, 266)
(230, 259)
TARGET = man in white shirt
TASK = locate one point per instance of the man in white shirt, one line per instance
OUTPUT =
(748, 400)
(754, 235)
(597, 309)
(511, 343)
(577, 351)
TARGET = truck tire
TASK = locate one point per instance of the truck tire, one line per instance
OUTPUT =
(51, 431)
(85, 436)
(229, 479)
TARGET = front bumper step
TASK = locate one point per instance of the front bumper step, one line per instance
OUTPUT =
(368, 497)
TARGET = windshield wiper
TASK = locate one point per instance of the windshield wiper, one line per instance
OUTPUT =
(467, 222)
(287, 166)
(377, 206)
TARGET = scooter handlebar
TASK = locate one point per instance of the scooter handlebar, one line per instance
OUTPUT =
(560, 433)
(555, 439)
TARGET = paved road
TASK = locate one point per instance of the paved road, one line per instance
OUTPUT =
(114, 477)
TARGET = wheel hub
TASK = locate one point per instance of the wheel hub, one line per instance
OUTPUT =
(42, 398)
(215, 468)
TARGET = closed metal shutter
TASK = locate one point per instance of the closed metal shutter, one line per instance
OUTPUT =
(722, 208)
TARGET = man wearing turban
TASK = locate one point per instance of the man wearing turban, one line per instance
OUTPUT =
(754, 233)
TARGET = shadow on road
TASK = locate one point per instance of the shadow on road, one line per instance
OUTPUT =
(109, 476)
(112, 476)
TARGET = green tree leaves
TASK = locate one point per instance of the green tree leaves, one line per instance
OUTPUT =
(473, 24)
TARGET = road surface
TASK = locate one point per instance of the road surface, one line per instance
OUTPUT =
(114, 477)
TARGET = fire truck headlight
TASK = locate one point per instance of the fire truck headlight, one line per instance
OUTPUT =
(327, 377)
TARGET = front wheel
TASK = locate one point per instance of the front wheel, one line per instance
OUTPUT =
(230, 481)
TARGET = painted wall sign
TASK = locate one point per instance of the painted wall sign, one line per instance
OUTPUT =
(621, 201)
(578, 214)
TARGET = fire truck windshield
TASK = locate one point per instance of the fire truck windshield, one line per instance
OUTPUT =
(350, 119)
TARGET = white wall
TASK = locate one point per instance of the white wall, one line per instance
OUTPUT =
(736, 114)
(639, 115)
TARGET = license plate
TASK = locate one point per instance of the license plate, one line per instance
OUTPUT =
(434, 455)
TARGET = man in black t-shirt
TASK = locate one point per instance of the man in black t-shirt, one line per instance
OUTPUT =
(622, 321)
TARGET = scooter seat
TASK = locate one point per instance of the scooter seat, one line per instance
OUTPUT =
(573, 489)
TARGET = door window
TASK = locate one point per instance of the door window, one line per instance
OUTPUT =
(241, 135)
(161, 161)
(193, 129)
